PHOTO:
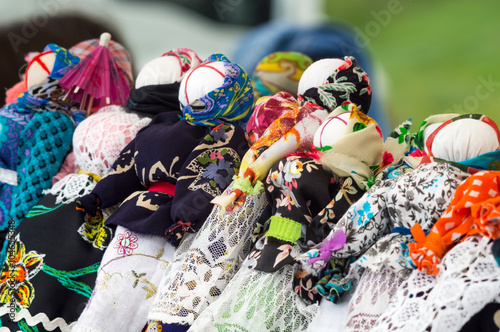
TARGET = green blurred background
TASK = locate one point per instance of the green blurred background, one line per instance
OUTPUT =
(430, 56)
(431, 53)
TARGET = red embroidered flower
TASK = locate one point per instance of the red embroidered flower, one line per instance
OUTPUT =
(126, 243)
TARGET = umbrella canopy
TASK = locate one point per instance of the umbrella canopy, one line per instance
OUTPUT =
(97, 80)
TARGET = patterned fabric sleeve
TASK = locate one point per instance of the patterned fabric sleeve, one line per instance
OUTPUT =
(205, 174)
(364, 222)
(344, 193)
(419, 197)
(119, 183)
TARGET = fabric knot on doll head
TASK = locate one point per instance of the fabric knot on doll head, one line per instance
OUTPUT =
(330, 83)
(216, 91)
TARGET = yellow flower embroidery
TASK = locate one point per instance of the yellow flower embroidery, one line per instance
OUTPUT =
(17, 270)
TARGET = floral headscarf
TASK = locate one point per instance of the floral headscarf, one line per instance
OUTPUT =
(231, 102)
(349, 83)
(292, 131)
(279, 71)
(359, 151)
(65, 60)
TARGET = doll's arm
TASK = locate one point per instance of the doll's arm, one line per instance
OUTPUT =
(208, 170)
(344, 193)
(363, 223)
(116, 185)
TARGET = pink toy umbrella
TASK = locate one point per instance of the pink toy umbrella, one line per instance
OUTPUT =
(97, 80)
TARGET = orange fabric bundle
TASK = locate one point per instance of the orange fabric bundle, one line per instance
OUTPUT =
(475, 209)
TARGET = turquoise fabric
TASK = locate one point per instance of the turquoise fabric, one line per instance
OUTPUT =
(44, 144)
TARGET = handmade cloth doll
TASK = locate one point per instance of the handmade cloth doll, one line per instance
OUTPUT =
(390, 206)
(290, 128)
(424, 300)
(305, 196)
(35, 136)
(466, 214)
(170, 172)
(315, 87)
(279, 72)
(68, 246)
(399, 212)
(223, 241)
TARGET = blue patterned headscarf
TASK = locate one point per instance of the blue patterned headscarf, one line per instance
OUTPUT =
(65, 60)
(231, 102)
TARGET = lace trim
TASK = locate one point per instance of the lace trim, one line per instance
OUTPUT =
(196, 278)
(71, 187)
(469, 278)
(258, 301)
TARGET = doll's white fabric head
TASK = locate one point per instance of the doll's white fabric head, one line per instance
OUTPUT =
(317, 73)
(460, 140)
(40, 68)
(331, 130)
(200, 81)
(162, 70)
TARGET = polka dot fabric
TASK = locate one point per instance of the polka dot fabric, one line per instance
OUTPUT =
(475, 209)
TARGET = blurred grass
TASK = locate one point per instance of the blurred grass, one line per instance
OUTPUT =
(432, 53)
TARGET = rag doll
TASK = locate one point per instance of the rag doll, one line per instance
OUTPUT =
(383, 223)
(308, 193)
(165, 179)
(35, 136)
(66, 246)
(290, 128)
(458, 275)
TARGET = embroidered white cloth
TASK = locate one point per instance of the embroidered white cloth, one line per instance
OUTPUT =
(127, 281)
